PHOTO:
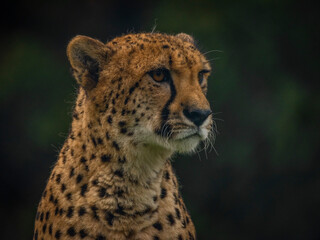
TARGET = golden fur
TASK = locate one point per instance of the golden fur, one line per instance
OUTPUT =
(113, 178)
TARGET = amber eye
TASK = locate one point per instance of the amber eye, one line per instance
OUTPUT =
(201, 75)
(159, 75)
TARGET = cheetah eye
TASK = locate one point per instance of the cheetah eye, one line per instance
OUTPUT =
(201, 75)
(160, 74)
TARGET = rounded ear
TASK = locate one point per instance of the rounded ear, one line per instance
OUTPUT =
(86, 56)
(185, 37)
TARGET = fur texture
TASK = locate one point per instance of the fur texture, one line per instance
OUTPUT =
(113, 178)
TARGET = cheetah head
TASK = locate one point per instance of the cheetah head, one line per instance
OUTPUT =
(147, 89)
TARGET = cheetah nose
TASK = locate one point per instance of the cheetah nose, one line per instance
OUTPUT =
(197, 116)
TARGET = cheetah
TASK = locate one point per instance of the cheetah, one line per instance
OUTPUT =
(141, 98)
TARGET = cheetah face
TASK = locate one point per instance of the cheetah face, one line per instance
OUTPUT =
(153, 85)
(181, 118)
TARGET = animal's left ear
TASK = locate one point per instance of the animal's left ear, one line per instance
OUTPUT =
(86, 56)
(185, 37)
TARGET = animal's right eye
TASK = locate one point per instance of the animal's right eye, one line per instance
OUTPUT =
(160, 74)
(201, 75)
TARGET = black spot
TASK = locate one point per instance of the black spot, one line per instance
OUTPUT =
(63, 187)
(178, 213)
(81, 211)
(100, 141)
(68, 196)
(93, 141)
(155, 198)
(188, 220)
(47, 215)
(56, 211)
(191, 237)
(102, 192)
(70, 212)
(44, 227)
(51, 198)
(86, 168)
(83, 160)
(156, 238)
(109, 218)
(41, 217)
(84, 147)
(115, 145)
(93, 156)
(71, 232)
(113, 111)
(105, 158)
(58, 234)
(122, 123)
(171, 219)
(84, 189)
(123, 130)
(50, 229)
(95, 212)
(71, 172)
(119, 192)
(79, 178)
(180, 237)
(119, 210)
(122, 159)
(163, 193)
(100, 237)
(166, 175)
(58, 178)
(107, 136)
(95, 182)
(83, 233)
(119, 173)
(126, 101)
(55, 202)
(165, 46)
(109, 119)
(71, 136)
(61, 211)
(44, 194)
(158, 226)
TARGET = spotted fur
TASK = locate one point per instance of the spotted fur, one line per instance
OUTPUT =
(113, 178)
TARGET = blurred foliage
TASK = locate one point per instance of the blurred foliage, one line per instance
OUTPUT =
(263, 184)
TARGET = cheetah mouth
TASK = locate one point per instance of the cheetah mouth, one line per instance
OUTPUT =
(186, 134)
(183, 135)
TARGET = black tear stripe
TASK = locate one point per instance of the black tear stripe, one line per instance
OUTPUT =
(162, 131)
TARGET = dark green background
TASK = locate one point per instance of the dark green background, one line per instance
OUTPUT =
(265, 182)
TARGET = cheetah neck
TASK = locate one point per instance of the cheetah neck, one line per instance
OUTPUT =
(122, 177)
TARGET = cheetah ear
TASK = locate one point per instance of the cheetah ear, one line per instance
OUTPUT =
(86, 56)
(185, 37)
